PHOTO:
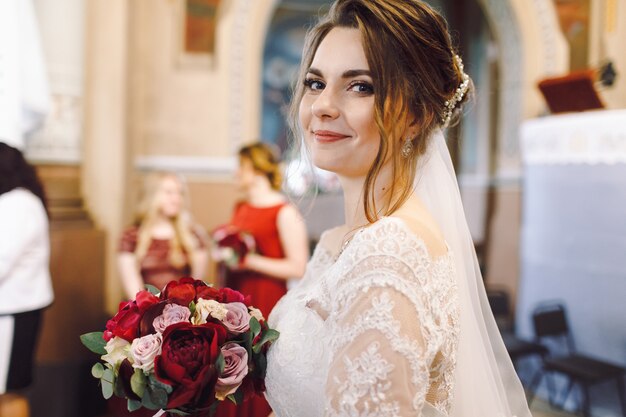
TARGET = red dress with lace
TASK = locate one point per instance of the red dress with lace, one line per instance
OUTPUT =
(155, 267)
(264, 290)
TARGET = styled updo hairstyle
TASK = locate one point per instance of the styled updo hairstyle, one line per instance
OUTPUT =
(414, 73)
(264, 161)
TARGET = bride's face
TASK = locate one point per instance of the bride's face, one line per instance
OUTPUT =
(337, 108)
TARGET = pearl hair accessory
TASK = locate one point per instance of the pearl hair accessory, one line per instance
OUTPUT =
(451, 104)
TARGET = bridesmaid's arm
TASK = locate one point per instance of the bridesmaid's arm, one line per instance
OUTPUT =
(294, 241)
(128, 268)
(200, 256)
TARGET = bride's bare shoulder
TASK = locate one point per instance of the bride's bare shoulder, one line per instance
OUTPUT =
(419, 221)
(332, 239)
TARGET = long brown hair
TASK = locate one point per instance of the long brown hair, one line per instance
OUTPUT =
(183, 240)
(411, 59)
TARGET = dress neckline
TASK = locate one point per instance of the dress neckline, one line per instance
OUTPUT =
(246, 203)
(334, 258)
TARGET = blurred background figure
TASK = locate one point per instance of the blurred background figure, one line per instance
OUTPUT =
(25, 285)
(281, 244)
(163, 243)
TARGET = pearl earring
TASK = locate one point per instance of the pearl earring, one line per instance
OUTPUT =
(407, 148)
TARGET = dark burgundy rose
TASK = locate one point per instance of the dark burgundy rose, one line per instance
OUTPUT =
(125, 374)
(187, 363)
(229, 295)
(229, 236)
(125, 323)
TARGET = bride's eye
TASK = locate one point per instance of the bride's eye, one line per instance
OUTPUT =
(313, 84)
(362, 87)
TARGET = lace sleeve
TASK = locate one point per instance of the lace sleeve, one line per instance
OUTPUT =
(394, 336)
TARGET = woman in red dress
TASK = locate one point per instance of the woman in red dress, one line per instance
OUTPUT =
(162, 245)
(281, 246)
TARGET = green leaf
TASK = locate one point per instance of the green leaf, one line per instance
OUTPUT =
(153, 290)
(270, 335)
(255, 327)
(237, 396)
(192, 307)
(220, 364)
(133, 405)
(261, 365)
(155, 383)
(232, 399)
(97, 370)
(155, 397)
(213, 408)
(107, 381)
(94, 342)
(118, 388)
(138, 383)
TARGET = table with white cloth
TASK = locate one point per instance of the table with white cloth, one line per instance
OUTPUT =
(573, 245)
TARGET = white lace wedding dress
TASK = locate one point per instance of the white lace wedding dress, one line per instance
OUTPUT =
(373, 333)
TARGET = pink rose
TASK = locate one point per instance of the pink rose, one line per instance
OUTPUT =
(172, 313)
(237, 319)
(144, 350)
(235, 370)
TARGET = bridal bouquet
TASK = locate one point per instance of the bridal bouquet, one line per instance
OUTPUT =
(231, 245)
(183, 350)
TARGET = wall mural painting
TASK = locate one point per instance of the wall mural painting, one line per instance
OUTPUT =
(200, 21)
(574, 16)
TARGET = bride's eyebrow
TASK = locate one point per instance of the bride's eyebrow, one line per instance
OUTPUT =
(346, 74)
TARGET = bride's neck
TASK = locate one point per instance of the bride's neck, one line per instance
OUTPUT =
(354, 204)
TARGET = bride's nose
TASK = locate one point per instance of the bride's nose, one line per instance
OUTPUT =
(325, 105)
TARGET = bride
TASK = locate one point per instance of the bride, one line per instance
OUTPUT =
(391, 318)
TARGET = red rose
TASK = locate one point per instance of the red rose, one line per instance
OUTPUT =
(186, 290)
(229, 295)
(125, 323)
(187, 363)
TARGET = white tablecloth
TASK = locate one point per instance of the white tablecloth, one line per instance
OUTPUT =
(573, 245)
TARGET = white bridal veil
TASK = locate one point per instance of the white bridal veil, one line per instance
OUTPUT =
(486, 384)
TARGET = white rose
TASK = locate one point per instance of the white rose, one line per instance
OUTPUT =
(206, 308)
(117, 349)
(256, 313)
(172, 313)
(144, 349)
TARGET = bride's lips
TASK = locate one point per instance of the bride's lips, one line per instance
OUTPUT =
(328, 136)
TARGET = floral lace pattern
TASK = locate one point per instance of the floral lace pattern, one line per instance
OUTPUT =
(381, 339)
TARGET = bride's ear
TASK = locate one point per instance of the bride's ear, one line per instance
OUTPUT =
(412, 129)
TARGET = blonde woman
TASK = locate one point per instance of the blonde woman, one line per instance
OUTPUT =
(163, 244)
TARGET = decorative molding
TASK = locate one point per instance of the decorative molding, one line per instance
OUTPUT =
(241, 22)
(188, 164)
(549, 28)
(507, 31)
(585, 138)
(60, 138)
